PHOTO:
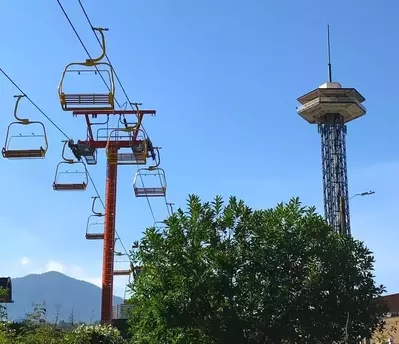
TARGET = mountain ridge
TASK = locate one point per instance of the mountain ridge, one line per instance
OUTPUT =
(62, 294)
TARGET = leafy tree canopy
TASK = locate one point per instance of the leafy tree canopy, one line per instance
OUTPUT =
(228, 274)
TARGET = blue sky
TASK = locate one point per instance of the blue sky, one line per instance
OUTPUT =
(224, 77)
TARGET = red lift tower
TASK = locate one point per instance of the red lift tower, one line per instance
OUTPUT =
(139, 149)
(126, 145)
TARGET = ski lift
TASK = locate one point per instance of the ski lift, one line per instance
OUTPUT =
(92, 232)
(89, 101)
(10, 150)
(61, 172)
(137, 146)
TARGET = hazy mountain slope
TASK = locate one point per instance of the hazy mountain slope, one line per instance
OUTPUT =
(56, 289)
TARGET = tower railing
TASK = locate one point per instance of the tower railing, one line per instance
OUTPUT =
(345, 100)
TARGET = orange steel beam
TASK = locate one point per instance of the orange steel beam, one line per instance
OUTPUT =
(109, 241)
(103, 144)
(95, 113)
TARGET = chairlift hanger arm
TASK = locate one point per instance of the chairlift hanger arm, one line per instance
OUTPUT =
(139, 118)
(70, 161)
(23, 120)
(157, 161)
(93, 205)
(92, 62)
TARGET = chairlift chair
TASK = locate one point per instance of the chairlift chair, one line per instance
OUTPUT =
(89, 101)
(150, 182)
(92, 223)
(137, 146)
(60, 171)
(13, 153)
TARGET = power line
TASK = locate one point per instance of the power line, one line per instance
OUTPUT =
(34, 104)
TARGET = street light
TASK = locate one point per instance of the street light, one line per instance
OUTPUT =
(363, 194)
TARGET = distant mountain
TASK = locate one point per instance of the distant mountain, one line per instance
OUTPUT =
(56, 289)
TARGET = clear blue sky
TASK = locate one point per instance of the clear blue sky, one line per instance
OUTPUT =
(224, 77)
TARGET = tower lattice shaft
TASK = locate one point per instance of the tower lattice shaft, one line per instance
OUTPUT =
(335, 180)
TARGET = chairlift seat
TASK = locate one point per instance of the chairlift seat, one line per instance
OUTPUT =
(23, 153)
(95, 236)
(69, 187)
(87, 101)
(127, 159)
(150, 192)
(122, 272)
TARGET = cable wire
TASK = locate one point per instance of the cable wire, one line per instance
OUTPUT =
(63, 133)
(123, 90)
(33, 103)
(125, 93)
(87, 52)
(80, 40)
(84, 47)
(52, 122)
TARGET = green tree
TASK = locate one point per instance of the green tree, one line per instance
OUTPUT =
(228, 274)
(3, 309)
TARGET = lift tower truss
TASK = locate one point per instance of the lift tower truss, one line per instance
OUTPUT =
(335, 180)
(128, 138)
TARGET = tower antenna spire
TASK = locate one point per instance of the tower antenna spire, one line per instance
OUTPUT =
(329, 54)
